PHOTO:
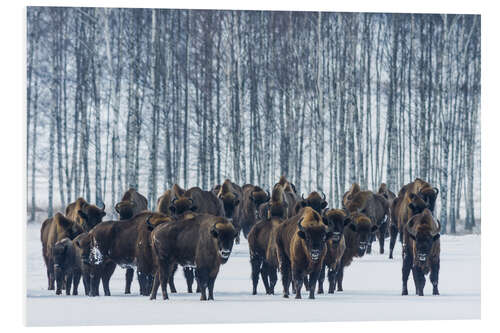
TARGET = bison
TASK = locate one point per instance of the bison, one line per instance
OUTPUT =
(53, 230)
(132, 203)
(336, 220)
(203, 241)
(246, 212)
(314, 200)
(92, 275)
(262, 244)
(376, 207)
(230, 199)
(412, 199)
(85, 214)
(66, 266)
(290, 194)
(301, 247)
(421, 255)
(357, 236)
(126, 243)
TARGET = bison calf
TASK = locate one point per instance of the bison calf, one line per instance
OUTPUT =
(66, 266)
(203, 241)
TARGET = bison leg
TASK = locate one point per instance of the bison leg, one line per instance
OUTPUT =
(381, 236)
(59, 277)
(165, 272)
(211, 283)
(332, 274)
(189, 276)
(202, 278)
(76, 281)
(273, 277)
(50, 276)
(321, 279)
(129, 276)
(69, 280)
(264, 272)
(298, 279)
(340, 277)
(306, 282)
(256, 263)
(86, 283)
(285, 277)
(313, 278)
(156, 284)
(95, 279)
(171, 283)
(419, 278)
(105, 283)
(435, 277)
(394, 235)
(407, 263)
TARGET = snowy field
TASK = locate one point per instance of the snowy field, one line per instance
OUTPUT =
(372, 291)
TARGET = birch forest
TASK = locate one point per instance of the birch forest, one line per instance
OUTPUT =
(146, 98)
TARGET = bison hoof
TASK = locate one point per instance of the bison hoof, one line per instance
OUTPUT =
(340, 289)
(58, 292)
(285, 295)
(152, 298)
(381, 251)
(128, 292)
(390, 256)
(405, 292)
(435, 291)
(297, 296)
(311, 296)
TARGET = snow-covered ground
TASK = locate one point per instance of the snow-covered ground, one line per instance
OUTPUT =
(372, 292)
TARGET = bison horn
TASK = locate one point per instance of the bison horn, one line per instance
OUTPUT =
(191, 200)
(437, 190)
(103, 207)
(302, 195)
(324, 196)
(148, 223)
(117, 207)
(439, 226)
(301, 228)
(268, 194)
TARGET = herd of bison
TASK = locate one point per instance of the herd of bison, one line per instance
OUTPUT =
(298, 236)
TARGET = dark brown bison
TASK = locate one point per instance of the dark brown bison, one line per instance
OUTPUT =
(246, 214)
(377, 208)
(126, 243)
(336, 220)
(85, 214)
(422, 253)
(412, 199)
(132, 203)
(164, 202)
(357, 236)
(92, 275)
(301, 246)
(53, 230)
(347, 195)
(230, 198)
(386, 193)
(263, 257)
(66, 266)
(203, 241)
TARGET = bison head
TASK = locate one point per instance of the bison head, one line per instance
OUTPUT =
(336, 220)
(66, 228)
(421, 229)
(91, 215)
(125, 209)
(315, 201)
(258, 196)
(230, 200)
(180, 205)
(417, 204)
(314, 234)
(429, 196)
(224, 234)
(361, 225)
(82, 246)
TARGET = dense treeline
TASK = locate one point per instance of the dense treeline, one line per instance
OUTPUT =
(146, 98)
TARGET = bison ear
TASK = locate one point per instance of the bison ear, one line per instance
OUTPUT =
(302, 203)
(411, 223)
(103, 213)
(301, 234)
(329, 235)
(117, 208)
(82, 214)
(214, 232)
(436, 237)
(412, 206)
(347, 221)
(352, 226)
(324, 204)
(374, 228)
